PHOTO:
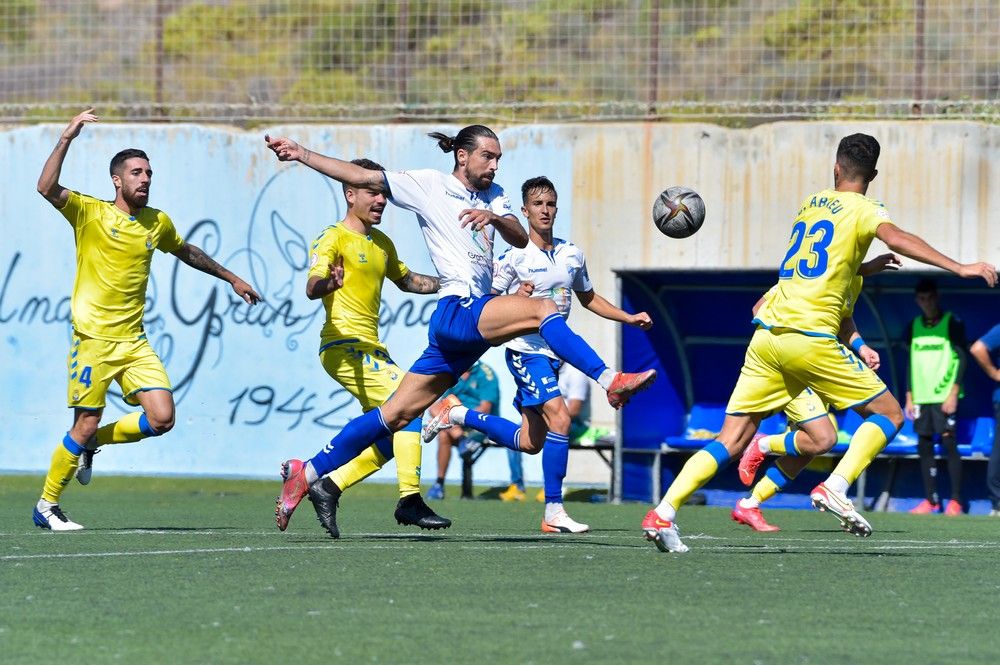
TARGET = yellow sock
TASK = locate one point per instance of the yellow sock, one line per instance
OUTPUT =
(867, 442)
(124, 430)
(696, 472)
(406, 449)
(764, 489)
(368, 462)
(782, 444)
(65, 460)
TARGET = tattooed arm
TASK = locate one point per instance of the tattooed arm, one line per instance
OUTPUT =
(199, 260)
(414, 282)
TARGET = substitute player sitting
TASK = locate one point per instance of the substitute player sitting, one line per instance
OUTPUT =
(811, 428)
(114, 248)
(795, 345)
(348, 263)
(549, 268)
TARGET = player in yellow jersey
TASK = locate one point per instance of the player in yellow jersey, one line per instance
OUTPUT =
(795, 345)
(812, 430)
(348, 263)
(114, 248)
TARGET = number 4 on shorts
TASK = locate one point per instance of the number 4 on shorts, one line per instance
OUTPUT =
(85, 376)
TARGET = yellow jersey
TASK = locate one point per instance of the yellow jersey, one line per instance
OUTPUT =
(113, 254)
(352, 310)
(830, 238)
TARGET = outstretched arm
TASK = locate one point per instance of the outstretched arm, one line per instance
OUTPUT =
(917, 249)
(880, 263)
(199, 260)
(600, 306)
(48, 181)
(288, 150)
(414, 282)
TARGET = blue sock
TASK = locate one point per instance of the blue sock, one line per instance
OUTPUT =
(355, 437)
(500, 430)
(384, 446)
(516, 470)
(570, 347)
(555, 458)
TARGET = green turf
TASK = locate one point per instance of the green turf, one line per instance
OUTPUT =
(193, 571)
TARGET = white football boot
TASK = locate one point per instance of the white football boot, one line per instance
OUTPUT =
(851, 521)
(441, 421)
(664, 534)
(49, 516)
(559, 522)
(86, 468)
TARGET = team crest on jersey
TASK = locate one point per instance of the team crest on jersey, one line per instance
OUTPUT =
(149, 241)
(76, 395)
(114, 232)
(362, 258)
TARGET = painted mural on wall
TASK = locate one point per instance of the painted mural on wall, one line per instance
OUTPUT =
(248, 384)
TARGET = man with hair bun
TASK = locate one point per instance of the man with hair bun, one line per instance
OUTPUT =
(458, 213)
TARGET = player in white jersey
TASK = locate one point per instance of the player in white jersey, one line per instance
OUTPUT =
(458, 214)
(551, 269)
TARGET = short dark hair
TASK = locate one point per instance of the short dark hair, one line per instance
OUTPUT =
(857, 155)
(925, 285)
(123, 156)
(464, 140)
(365, 164)
(538, 183)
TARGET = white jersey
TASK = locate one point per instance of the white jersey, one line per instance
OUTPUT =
(462, 257)
(555, 273)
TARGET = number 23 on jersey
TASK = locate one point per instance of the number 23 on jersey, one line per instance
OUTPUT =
(807, 250)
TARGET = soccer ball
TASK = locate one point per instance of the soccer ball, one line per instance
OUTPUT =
(678, 212)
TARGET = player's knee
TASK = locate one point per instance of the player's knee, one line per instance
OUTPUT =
(160, 423)
(559, 422)
(544, 307)
(530, 447)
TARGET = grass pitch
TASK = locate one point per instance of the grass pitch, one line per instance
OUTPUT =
(194, 571)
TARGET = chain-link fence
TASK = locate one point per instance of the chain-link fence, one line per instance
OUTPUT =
(501, 60)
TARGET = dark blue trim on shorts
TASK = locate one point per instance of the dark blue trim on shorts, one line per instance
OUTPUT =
(865, 401)
(807, 333)
(348, 340)
(809, 420)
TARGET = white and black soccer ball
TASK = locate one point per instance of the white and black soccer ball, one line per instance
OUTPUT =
(678, 212)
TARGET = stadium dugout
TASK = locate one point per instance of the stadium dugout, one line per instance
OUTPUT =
(697, 343)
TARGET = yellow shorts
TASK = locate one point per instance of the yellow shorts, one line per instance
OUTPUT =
(806, 406)
(782, 363)
(364, 369)
(94, 363)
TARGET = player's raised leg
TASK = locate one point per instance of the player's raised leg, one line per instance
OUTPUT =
(505, 317)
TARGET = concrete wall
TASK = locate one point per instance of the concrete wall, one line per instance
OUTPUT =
(250, 391)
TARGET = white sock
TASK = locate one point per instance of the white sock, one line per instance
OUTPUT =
(762, 445)
(457, 415)
(666, 511)
(837, 483)
(606, 377)
(749, 502)
(44, 505)
(553, 509)
(311, 475)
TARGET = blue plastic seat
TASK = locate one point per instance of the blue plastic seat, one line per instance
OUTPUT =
(704, 423)
(982, 437)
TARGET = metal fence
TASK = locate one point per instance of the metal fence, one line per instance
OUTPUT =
(738, 61)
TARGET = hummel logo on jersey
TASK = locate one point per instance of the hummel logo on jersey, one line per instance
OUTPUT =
(456, 196)
(534, 270)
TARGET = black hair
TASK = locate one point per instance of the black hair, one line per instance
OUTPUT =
(464, 140)
(535, 184)
(124, 156)
(926, 285)
(365, 164)
(857, 155)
